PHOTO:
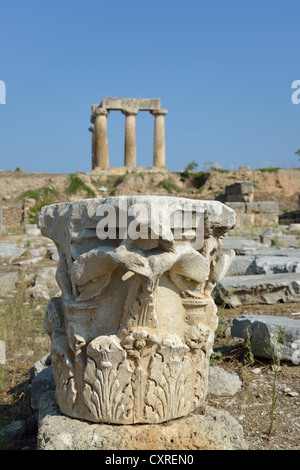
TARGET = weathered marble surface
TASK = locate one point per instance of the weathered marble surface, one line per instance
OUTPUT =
(133, 330)
(211, 430)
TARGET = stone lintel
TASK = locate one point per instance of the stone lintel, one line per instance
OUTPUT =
(139, 104)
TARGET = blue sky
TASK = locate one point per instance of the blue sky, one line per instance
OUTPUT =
(223, 69)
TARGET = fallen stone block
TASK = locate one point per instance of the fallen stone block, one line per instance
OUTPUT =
(241, 265)
(281, 334)
(29, 261)
(275, 265)
(258, 289)
(212, 430)
(45, 284)
(223, 383)
(40, 365)
(248, 247)
(10, 251)
(240, 191)
(264, 250)
(36, 252)
(250, 264)
(2, 353)
(47, 277)
(241, 245)
(8, 282)
(32, 230)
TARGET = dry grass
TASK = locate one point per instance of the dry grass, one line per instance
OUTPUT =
(21, 328)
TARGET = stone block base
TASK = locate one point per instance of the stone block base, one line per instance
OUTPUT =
(212, 430)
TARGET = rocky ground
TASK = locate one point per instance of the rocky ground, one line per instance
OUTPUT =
(252, 405)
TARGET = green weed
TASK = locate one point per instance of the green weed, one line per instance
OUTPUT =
(271, 169)
(169, 186)
(215, 356)
(200, 190)
(43, 197)
(189, 170)
(77, 184)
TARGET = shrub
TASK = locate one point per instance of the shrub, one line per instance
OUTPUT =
(169, 186)
(76, 184)
(189, 169)
(43, 197)
(272, 169)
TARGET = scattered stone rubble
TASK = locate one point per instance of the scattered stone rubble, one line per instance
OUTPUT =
(260, 274)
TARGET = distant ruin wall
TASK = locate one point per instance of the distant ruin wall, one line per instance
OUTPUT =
(15, 216)
(239, 196)
(255, 214)
(12, 216)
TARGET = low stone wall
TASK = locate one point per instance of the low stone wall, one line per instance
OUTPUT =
(255, 214)
(15, 216)
(12, 216)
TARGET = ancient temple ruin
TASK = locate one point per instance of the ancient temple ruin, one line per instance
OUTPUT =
(130, 107)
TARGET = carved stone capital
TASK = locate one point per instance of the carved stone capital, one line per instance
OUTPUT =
(101, 112)
(132, 333)
(130, 112)
(159, 112)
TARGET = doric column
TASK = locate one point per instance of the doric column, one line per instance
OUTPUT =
(101, 159)
(91, 129)
(159, 151)
(130, 138)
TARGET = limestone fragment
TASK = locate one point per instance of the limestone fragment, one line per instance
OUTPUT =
(282, 334)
